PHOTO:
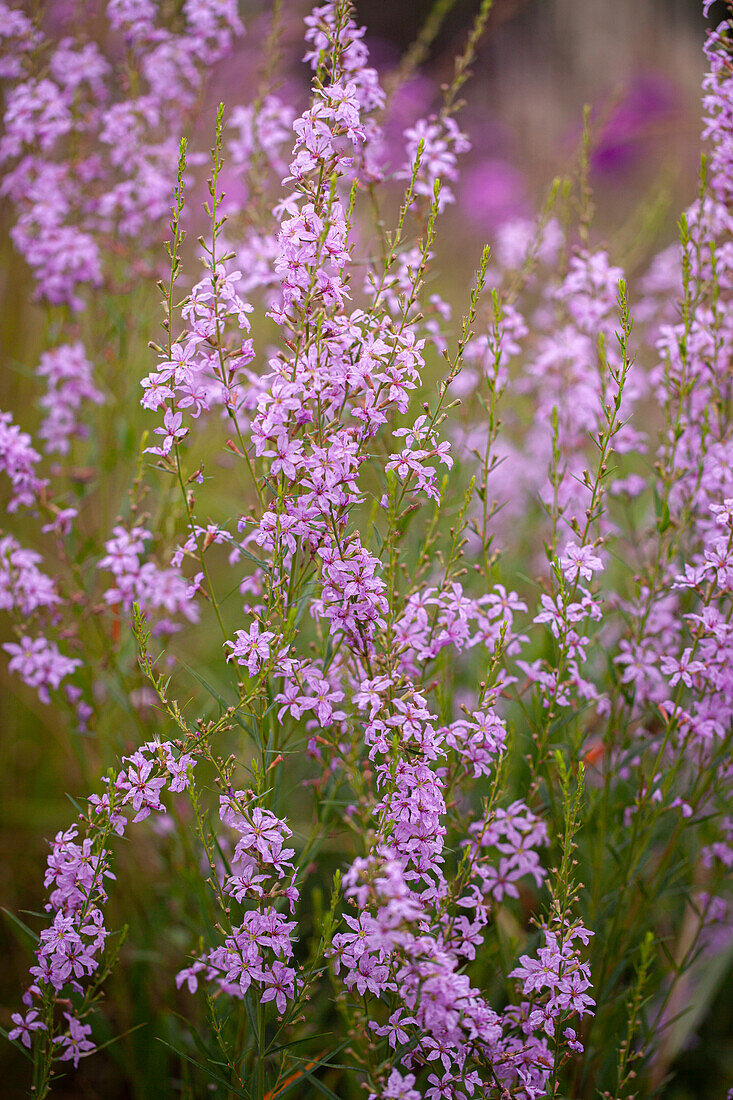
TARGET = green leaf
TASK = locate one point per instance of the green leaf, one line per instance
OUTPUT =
(252, 1017)
(298, 1083)
(294, 1042)
(17, 921)
(117, 1038)
(308, 1073)
(565, 719)
(205, 1069)
(661, 511)
(17, 1044)
(215, 695)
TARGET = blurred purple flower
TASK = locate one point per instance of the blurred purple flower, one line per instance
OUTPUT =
(492, 191)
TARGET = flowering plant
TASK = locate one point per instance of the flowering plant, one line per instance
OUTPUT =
(418, 826)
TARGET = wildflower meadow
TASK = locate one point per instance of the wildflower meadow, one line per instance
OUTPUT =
(366, 626)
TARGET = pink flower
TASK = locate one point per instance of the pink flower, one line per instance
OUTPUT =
(75, 1044)
(279, 983)
(252, 647)
(579, 561)
(25, 1026)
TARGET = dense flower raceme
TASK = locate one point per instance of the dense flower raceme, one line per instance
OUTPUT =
(405, 677)
(70, 951)
(30, 595)
(680, 646)
(75, 117)
(88, 149)
(19, 460)
(69, 381)
(259, 950)
(143, 583)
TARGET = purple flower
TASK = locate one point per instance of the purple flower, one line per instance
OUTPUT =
(25, 1026)
(69, 384)
(252, 647)
(18, 460)
(40, 664)
(394, 1030)
(397, 1087)
(579, 561)
(75, 1043)
(142, 788)
(279, 982)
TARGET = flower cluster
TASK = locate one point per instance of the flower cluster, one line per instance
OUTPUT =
(260, 949)
(557, 969)
(70, 954)
(75, 119)
(23, 587)
(143, 582)
(69, 382)
(18, 460)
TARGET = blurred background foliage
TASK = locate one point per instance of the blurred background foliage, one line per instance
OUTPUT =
(638, 63)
